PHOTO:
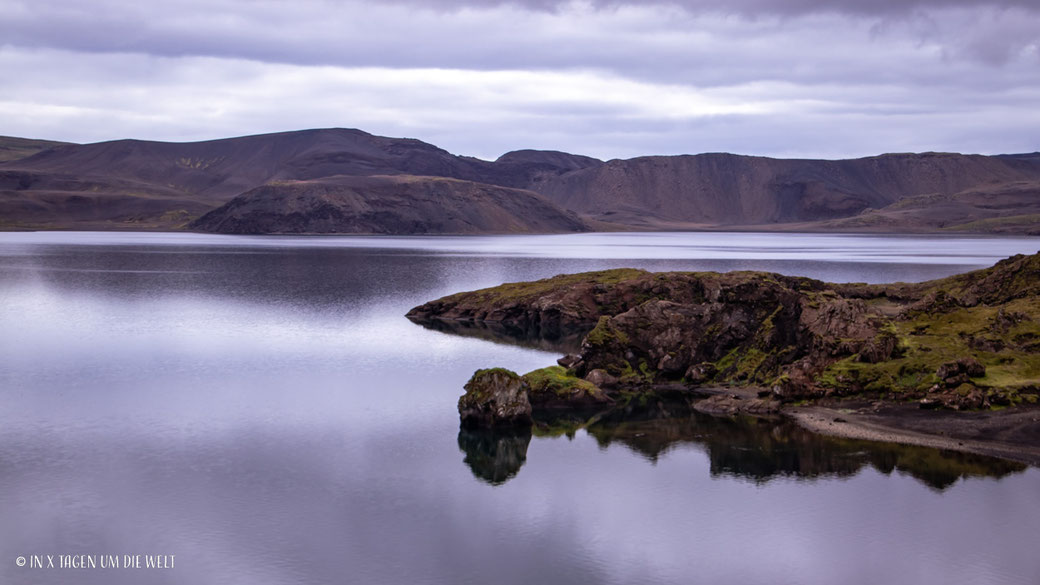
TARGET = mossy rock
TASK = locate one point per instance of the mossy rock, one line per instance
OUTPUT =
(555, 387)
(495, 398)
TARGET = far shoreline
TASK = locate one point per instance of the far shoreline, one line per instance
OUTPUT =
(981, 433)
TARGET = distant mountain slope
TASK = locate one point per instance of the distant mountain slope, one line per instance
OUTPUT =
(160, 185)
(1008, 208)
(13, 148)
(221, 169)
(726, 189)
(400, 204)
(48, 189)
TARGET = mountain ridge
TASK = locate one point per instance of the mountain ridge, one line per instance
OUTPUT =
(140, 184)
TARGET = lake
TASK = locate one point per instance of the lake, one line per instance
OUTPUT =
(260, 409)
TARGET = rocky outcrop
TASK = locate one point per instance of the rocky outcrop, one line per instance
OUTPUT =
(554, 387)
(964, 342)
(501, 398)
(733, 404)
(960, 372)
(495, 398)
(744, 328)
(546, 308)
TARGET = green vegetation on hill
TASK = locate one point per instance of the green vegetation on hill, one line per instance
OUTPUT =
(12, 148)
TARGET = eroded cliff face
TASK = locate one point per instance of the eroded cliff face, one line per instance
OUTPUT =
(748, 332)
(729, 189)
(968, 341)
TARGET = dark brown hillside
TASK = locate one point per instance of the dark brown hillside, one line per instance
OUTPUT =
(399, 204)
(221, 169)
(134, 184)
(726, 189)
(13, 148)
(548, 159)
(45, 190)
(37, 200)
(1006, 208)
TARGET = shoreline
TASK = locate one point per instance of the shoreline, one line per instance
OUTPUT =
(1012, 434)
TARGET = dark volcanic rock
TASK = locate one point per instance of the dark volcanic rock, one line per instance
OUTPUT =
(495, 398)
(655, 328)
(730, 405)
(701, 373)
(798, 337)
(957, 372)
(602, 379)
(738, 327)
(499, 398)
(549, 308)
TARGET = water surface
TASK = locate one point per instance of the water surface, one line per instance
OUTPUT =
(259, 407)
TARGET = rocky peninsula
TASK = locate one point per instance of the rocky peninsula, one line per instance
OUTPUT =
(951, 363)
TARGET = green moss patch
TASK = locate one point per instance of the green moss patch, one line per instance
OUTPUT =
(556, 381)
(520, 291)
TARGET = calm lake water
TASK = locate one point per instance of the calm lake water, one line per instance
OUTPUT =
(260, 408)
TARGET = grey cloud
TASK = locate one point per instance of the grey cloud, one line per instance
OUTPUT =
(745, 7)
(954, 75)
(115, 96)
(635, 42)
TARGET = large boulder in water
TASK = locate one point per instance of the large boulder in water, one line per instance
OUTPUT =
(495, 397)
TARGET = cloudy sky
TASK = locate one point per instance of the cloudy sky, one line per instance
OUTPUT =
(818, 78)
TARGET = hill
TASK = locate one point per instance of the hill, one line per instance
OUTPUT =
(135, 184)
(401, 204)
(13, 148)
(732, 190)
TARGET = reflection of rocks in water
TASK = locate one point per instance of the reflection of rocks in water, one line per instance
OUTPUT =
(758, 449)
(494, 456)
(647, 425)
(566, 342)
(763, 448)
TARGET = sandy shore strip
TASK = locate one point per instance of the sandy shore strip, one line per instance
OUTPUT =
(1011, 434)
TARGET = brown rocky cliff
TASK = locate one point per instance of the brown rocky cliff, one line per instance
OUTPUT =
(799, 337)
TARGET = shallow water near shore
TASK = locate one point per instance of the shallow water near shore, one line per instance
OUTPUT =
(260, 408)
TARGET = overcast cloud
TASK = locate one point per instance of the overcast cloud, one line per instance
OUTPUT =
(480, 77)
